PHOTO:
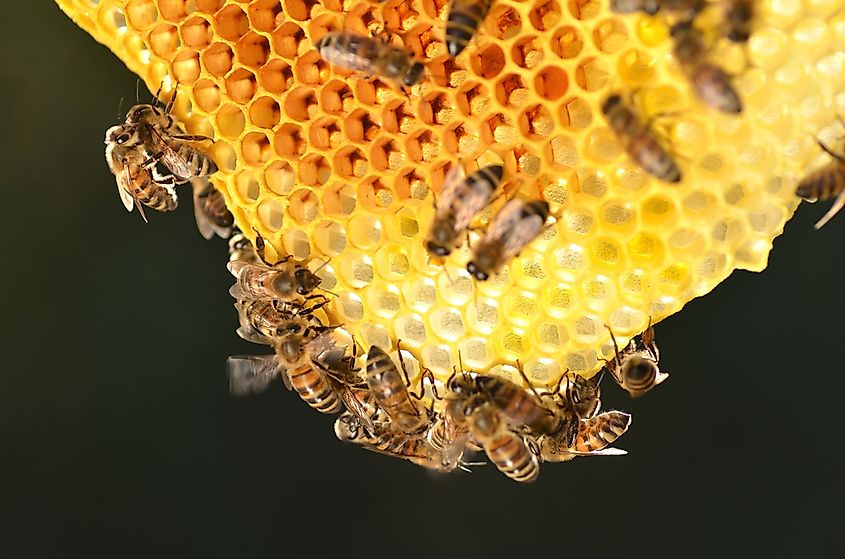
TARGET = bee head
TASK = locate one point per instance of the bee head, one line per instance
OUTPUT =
(610, 103)
(738, 36)
(324, 42)
(414, 74)
(117, 135)
(306, 282)
(346, 427)
(139, 112)
(477, 269)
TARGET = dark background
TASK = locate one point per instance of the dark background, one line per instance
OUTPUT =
(118, 435)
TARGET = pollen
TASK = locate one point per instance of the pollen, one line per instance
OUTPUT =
(332, 166)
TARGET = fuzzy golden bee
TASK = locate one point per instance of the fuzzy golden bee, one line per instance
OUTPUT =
(465, 17)
(592, 438)
(710, 82)
(507, 449)
(515, 226)
(391, 392)
(636, 369)
(372, 57)
(638, 141)
(210, 211)
(285, 280)
(460, 200)
(825, 183)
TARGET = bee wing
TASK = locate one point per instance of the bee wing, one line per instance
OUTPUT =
(450, 189)
(358, 404)
(124, 185)
(249, 334)
(178, 161)
(513, 229)
(205, 226)
(251, 374)
(349, 57)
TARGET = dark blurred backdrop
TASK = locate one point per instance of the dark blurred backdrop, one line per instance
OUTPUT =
(118, 435)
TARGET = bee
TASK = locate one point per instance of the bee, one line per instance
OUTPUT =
(459, 201)
(593, 437)
(738, 17)
(584, 395)
(515, 226)
(465, 16)
(635, 369)
(371, 56)
(210, 211)
(711, 83)
(449, 436)
(638, 141)
(825, 183)
(507, 449)
(687, 8)
(285, 280)
(522, 410)
(390, 391)
(264, 321)
(241, 249)
(156, 132)
(137, 185)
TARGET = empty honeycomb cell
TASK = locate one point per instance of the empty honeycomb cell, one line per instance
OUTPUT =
(551, 83)
(286, 39)
(164, 40)
(288, 141)
(186, 66)
(386, 155)
(173, 10)
(424, 42)
(349, 307)
(401, 16)
(336, 97)
(364, 231)
(301, 104)
(140, 53)
(350, 162)
(544, 15)
(503, 22)
(392, 262)
(256, 149)
(296, 243)
(475, 353)
(570, 260)
(299, 9)
(619, 215)
(446, 72)
(141, 13)
(488, 61)
(567, 42)
(512, 343)
(265, 112)
(276, 77)
(581, 361)
(304, 206)
(521, 308)
(247, 187)
(447, 324)
(271, 214)
(324, 133)
(483, 315)
(646, 250)
(676, 276)
(360, 126)
(473, 99)
(603, 145)
(419, 293)
(423, 146)
(592, 74)
(597, 292)
(241, 85)
(579, 221)
(265, 15)
(527, 52)
(536, 122)
(253, 50)
(356, 269)
(384, 303)
(558, 300)
(461, 141)
(436, 109)
(197, 33)
(311, 69)
(658, 210)
(591, 182)
(224, 155)
(562, 154)
(610, 35)
(329, 238)
(550, 337)
(280, 178)
(231, 23)
(410, 186)
(314, 170)
(575, 113)
(230, 121)
(607, 252)
(217, 59)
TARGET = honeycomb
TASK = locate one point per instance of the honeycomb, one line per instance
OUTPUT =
(330, 166)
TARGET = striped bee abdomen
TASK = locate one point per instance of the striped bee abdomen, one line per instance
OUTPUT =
(313, 387)
(465, 17)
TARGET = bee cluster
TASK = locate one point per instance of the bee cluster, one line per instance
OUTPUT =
(516, 428)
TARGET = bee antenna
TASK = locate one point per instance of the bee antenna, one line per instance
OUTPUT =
(119, 108)
(321, 266)
(138, 90)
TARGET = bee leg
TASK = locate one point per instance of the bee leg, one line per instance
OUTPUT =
(648, 341)
(192, 137)
(613, 370)
(152, 160)
(830, 152)
(403, 367)
(834, 209)
(528, 381)
(172, 100)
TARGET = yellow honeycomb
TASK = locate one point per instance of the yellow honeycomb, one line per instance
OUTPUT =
(330, 166)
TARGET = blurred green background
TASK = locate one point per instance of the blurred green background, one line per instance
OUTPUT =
(118, 435)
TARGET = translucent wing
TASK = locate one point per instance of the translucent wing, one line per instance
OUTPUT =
(251, 374)
(251, 335)
(450, 189)
(206, 227)
(346, 50)
(513, 228)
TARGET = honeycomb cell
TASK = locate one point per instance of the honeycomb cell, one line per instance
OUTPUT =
(265, 15)
(164, 40)
(473, 99)
(280, 178)
(498, 129)
(360, 126)
(141, 13)
(567, 42)
(592, 74)
(350, 162)
(231, 23)
(241, 85)
(286, 40)
(296, 243)
(423, 146)
(271, 214)
(173, 10)
(197, 33)
(276, 77)
(527, 52)
(265, 112)
(576, 113)
(186, 66)
(551, 83)
(329, 238)
(461, 141)
(384, 303)
(314, 170)
(253, 50)
(230, 121)
(299, 10)
(436, 109)
(288, 141)
(324, 134)
(304, 206)
(208, 6)
(488, 61)
(544, 15)
(410, 186)
(247, 187)
(224, 155)
(536, 122)
(386, 155)
(217, 59)
(610, 35)
(256, 149)
(503, 22)
(301, 104)
(311, 69)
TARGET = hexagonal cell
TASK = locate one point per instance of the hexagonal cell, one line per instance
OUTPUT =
(336, 98)
(401, 16)
(498, 129)
(247, 187)
(410, 329)
(618, 214)
(527, 160)
(286, 39)
(461, 141)
(567, 42)
(636, 68)
(325, 134)
(646, 250)
(265, 112)
(231, 23)
(425, 42)
(311, 69)
(423, 146)
(276, 77)
(186, 66)
(271, 214)
(289, 142)
(364, 231)
(658, 210)
(436, 108)
(299, 9)
(208, 6)
(349, 307)
(173, 10)
(255, 148)
(592, 74)
(297, 244)
(241, 85)
(361, 19)
(265, 15)
(164, 40)
(473, 99)
(374, 195)
(610, 35)
(527, 52)
(304, 206)
(224, 155)
(511, 91)
(230, 121)
(360, 126)
(280, 177)
(350, 162)
(206, 95)
(602, 145)
(329, 238)
(384, 302)
(141, 13)
(373, 91)
(483, 315)
(488, 61)
(314, 170)
(445, 72)
(536, 122)
(397, 117)
(339, 199)
(218, 59)
(503, 22)
(584, 9)
(551, 83)
(575, 113)
(447, 324)
(410, 186)
(435, 8)
(386, 155)
(301, 104)
(253, 50)
(112, 19)
(356, 269)
(196, 32)
(544, 15)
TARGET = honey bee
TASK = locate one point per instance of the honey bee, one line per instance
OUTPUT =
(507, 449)
(251, 374)
(371, 56)
(738, 17)
(137, 185)
(825, 183)
(449, 436)
(638, 141)
(635, 369)
(515, 226)
(156, 132)
(584, 395)
(264, 321)
(711, 83)
(285, 280)
(210, 211)
(686, 8)
(593, 437)
(390, 391)
(521, 409)
(465, 16)
(459, 201)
